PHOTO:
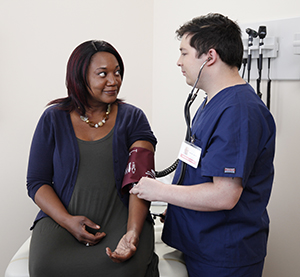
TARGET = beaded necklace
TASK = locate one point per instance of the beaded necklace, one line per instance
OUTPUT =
(100, 123)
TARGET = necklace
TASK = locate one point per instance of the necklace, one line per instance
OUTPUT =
(100, 123)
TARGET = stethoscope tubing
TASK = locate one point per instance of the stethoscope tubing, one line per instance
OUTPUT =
(191, 97)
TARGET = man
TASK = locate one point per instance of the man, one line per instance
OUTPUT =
(217, 216)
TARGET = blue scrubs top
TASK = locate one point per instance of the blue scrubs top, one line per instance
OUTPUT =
(236, 133)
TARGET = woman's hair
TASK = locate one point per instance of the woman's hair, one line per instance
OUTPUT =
(76, 76)
(218, 32)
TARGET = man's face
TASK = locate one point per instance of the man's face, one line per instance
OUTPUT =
(188, 61)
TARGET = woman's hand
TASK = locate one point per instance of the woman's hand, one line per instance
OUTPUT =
(49, 202)
(125, 249)
(76, 225)
(162, 219)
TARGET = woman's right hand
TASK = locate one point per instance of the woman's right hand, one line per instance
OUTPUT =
(76, 225)
(48, 201)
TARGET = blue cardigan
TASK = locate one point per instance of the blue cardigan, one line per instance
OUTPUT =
(54, 153)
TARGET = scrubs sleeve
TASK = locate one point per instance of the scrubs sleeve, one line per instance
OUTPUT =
(227, 148)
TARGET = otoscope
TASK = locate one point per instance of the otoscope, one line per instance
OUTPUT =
(191, 97)
(269, 86)
(252, 34)
(262, 32)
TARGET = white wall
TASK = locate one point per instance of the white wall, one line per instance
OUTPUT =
(36, 39)
(169, 95)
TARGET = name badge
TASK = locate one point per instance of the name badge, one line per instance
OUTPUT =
(190, 154)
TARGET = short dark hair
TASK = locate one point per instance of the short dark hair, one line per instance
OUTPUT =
(218, 32)
(76, 76)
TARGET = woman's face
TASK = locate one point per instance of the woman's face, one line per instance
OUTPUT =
(104, 78)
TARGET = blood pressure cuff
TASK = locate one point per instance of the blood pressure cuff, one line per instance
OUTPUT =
(140, 164)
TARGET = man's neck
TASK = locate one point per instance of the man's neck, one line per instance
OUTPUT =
(222, 79)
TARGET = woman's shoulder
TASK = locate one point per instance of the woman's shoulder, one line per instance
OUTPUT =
(53, 113)
(54, 109)
(128, 108)
(130, 115)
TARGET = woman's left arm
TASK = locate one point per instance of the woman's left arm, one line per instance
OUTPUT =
(137, 213)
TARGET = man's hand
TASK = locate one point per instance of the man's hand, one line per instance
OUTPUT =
(147, 189)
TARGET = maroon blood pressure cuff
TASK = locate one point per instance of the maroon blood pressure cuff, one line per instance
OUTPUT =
(140, 164)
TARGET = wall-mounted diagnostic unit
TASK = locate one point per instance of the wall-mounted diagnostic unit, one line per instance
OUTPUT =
(272, 48)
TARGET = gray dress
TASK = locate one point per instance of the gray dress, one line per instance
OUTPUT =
(55, 252)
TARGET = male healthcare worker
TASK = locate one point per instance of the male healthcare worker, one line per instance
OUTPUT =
(217, 216)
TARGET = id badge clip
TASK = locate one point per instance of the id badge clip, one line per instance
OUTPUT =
(190, 154)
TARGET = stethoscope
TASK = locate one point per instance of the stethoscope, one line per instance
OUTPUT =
(190, 99)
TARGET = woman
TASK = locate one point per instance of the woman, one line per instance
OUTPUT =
(78, 158)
